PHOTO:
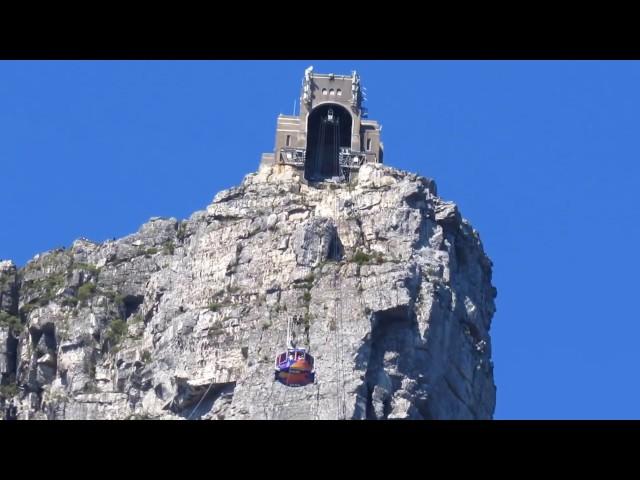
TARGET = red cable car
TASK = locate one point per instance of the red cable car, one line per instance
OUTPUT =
(295, 366)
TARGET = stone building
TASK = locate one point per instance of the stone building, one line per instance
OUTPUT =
(332, 136)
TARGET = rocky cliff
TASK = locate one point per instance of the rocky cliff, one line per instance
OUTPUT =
(389, 286)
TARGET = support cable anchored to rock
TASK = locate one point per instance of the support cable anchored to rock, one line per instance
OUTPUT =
(340, 393)
(201, 399)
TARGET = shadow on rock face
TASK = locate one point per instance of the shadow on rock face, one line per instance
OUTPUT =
(194, 402)
(392, 367)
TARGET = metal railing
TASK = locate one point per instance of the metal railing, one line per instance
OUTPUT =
(346, 157)
(292, 156)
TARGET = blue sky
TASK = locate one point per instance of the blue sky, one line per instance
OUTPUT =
(542, 157)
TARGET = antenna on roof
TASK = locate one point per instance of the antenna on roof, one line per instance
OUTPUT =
(294, 108)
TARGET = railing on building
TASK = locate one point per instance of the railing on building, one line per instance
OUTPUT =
(351, 159)
(292, 156)
(348, 159)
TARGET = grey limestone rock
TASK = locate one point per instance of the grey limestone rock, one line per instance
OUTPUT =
(390, 288)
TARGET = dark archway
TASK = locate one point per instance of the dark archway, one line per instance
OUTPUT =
(328, 130)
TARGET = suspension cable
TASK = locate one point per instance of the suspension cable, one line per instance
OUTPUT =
(340, 380)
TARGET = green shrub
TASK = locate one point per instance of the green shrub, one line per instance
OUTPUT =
(306, 296)
(70, 302)
(215, 306)
(44, 300)
(168, 248)
(118, 299)
(361, 258)
(86, 291)
(86, 266)
(116, 331)
(28, 308)
(54, 282)
(146, 356)
(10, 390)
(11, 321)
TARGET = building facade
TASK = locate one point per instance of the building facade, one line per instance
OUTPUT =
(331, 137)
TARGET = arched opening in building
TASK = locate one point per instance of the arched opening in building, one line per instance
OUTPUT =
(328, 130)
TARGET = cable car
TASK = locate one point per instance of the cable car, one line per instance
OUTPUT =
(295, 368)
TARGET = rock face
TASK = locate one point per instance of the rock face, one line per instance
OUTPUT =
(390, 287)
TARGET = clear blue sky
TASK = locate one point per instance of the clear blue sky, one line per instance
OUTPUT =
(542, 157)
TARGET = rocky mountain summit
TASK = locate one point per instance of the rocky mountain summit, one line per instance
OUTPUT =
(390, 288)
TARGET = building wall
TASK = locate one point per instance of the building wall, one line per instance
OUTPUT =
(370, 134)
(337, 90)
(287, 126)
(321, 87)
